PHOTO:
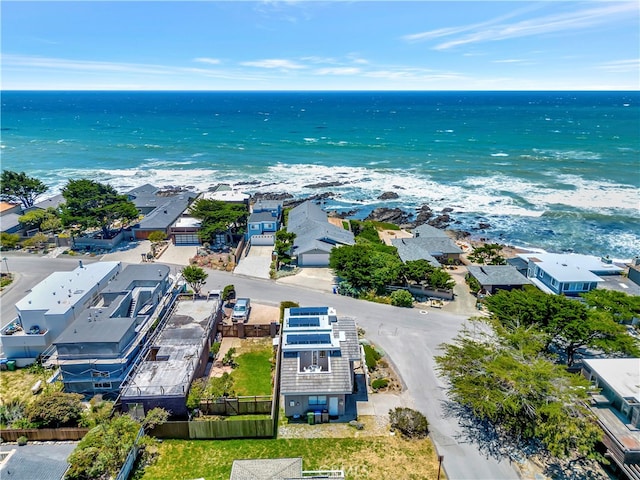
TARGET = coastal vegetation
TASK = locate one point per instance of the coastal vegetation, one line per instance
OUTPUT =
(511, 371)
(195, 277)
(20, 187)
(218, 217)
(90, 204)
(567, 325)
(487, 254)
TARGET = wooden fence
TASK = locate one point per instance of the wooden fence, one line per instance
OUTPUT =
(216, 429)
(242, 330)
(43, 434)
(236, 406)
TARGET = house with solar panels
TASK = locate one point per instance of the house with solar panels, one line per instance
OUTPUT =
(319, 350)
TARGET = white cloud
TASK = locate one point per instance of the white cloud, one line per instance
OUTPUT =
(274, 63)
(210, 61)
(494, 30)
(621, 66)
(337, 71)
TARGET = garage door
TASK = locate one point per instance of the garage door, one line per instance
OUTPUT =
(187, 240)
(313, 260)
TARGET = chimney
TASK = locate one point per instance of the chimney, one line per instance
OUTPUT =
(80, 263)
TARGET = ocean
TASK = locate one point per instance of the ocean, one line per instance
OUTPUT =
(558, 171)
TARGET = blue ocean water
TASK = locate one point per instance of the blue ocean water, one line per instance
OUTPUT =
(553, 170)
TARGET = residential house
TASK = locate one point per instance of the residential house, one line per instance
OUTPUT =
(568, 274)
(278, 469)
(315, 235)
(497, 277)
(617, 408)
(97, 350)
(173, 358)
(52, 202)
(160, 208)
(428, 243)
(9, 215)
(263, 222)
(317, 362)
(51, 306)
(224, 192)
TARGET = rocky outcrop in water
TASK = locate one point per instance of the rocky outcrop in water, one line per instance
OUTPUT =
(388, 196)
(396, 216)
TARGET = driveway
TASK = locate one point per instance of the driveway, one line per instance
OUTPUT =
(256, 263)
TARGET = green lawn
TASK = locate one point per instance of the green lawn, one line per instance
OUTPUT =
(252, 376)
(373, 458)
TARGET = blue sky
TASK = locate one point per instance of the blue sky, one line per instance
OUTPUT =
(314, 45)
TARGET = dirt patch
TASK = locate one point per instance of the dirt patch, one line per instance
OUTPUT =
(374, 426)
(387, 235)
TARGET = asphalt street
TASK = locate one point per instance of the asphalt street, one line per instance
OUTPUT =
(410, 338)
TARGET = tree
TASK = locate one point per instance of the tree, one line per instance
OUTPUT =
(218, 217)
(283, 246)
(19, 187)
(417, 270)
(621, 306)
(89, 204)
(195, 277)
(364, 267)
(567, 323)
(506, 380)
(55, 410)
(488, 254)
(440, 278)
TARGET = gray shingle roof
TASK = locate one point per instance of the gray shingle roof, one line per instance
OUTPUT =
(266, 469)
(408, 250)
(54, 202)
(338, 380)
(261, 217)
(41, 462)
(313, 231)
(426, 230)
(498, 275)
(9, 222)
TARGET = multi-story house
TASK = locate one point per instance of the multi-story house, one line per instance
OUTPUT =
(317, 364)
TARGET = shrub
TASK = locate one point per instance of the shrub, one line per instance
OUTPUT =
(284, 305)
(215, 348)
(228, 292)
(228, 357)
(409, 422)
(402, 298)
(157, 236)
(9, 240)
(371, 357)
(379, 383)
(474, 284)
(195, 393)
(55, 409)
(22, 440)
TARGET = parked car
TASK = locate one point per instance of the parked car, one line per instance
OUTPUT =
(241, 310)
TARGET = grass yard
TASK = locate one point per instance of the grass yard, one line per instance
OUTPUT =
(17, 384)
(374, 458)
(253, 374)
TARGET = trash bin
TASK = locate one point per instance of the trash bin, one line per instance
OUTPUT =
(3, 363)
(310, 418)
(318, 417)
(325, 416)
(11, 365)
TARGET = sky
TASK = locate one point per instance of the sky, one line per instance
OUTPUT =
(320, 45)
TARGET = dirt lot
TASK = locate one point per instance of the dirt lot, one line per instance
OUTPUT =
(259, 315)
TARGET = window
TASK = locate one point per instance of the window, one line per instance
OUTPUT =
(102, 385)
(317, 400)
(323, 354)
(97, 374)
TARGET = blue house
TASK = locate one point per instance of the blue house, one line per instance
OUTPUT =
(567, 274)
(97, 350)
(264, 222)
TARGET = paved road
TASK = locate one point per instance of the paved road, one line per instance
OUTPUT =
(410, 339)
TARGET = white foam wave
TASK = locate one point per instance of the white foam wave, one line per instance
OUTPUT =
(500, 154)
(568, 154)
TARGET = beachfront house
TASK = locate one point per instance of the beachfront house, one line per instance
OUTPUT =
(567, 274)
(51, 306)
(497, 277)
(315, 235)
(96, 351)
(9, 215)
(430, 244)
(319, 350)
(616, 405)
(264, 222)
(160, 208)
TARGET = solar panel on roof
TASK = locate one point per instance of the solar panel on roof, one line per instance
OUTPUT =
(307, 311)
(309, 339)
(304, 322)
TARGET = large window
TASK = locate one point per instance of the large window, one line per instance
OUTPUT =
(317, 400)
